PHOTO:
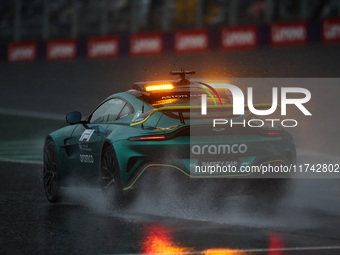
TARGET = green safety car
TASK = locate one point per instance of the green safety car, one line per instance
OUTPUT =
(153, 128)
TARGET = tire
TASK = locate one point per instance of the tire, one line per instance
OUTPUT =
(51, 175)
(110, 178)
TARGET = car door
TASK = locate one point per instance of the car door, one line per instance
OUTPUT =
(87, 139)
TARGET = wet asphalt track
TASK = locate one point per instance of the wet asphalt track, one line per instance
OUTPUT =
(306, 221)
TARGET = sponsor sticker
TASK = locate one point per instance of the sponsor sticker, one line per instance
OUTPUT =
(191, 41)
(331, 30)
(25, 51)
(86, 135)
(219, 149)
(103, 47)
(61, 49)
(282, 34)
(222, 162)
(146, 44)
(239, 37)
(86, 158)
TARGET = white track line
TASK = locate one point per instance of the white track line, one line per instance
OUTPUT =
(22, 161)
(32, 114)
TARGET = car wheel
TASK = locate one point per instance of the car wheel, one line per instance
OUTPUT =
(51, 177)
(110, 177)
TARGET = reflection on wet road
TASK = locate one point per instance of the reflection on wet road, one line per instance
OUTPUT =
(306, 222)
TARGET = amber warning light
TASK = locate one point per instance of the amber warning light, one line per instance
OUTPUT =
(159, 87)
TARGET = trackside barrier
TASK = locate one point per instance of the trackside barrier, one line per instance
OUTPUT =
(185, 41)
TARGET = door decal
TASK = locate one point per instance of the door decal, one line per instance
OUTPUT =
(86, 135)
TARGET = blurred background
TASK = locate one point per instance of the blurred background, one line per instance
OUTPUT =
(57, 56)
(45, 19)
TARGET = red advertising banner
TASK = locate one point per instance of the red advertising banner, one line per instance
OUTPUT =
(239, 38)
(282, 34)
(61, 49)
(191, 41)
(103, 47)
(331, 30)
(25, 51)
(146, 44)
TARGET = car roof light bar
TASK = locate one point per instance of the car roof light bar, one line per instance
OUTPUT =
(159, 87)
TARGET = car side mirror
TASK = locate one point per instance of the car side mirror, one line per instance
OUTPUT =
(73, 118)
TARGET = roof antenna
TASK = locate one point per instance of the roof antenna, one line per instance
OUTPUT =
(182, 73)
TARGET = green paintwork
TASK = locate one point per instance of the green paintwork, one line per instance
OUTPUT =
(175, 152)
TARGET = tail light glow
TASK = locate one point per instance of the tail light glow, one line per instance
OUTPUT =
(148, 138)
(274, 133)
(155, 137)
